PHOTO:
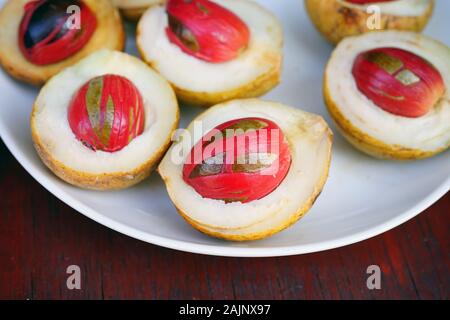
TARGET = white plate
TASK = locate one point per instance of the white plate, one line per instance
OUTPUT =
(362, 198)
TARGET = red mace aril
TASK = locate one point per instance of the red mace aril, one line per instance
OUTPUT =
(368, 1)
(398, 81)
(239, 161)
(206, 30)
(107, 113)
(51, 32)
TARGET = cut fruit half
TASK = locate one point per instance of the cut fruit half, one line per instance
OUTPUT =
(400, 107)
(66, 152)
(255, 71)
(108, 34)
(309, 142)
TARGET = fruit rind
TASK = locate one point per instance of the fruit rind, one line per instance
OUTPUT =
(254, 89)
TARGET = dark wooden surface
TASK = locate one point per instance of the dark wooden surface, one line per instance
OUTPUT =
(40, 236)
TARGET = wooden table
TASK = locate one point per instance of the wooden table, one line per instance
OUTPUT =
(40, 237)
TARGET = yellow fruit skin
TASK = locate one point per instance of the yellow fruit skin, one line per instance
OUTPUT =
(336, 21)
(256, 88)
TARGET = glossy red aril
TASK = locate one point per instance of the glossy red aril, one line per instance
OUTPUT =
(206, 30)
(239, 161)
(398, 81)
(368, 1)
(107, 113)
(49, 31)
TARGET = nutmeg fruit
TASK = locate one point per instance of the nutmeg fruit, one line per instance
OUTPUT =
(223, 197)
(213, 51)
(40, 38)
(240, 160)
(388, 94)
(105, 122)
(107, 113)
(46, 34)
(337, 19)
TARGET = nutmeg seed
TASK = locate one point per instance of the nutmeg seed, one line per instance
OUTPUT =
(239, 161)
(107, 113)
(206, 30)
(398, 81)
(47, 34)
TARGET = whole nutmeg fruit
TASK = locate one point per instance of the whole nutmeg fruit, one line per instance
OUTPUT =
(239, 161)
(107, 113)
(50, 31)
(398, 81)
(206, 30)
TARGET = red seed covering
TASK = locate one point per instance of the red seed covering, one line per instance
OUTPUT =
(48, 32)
(206, 30)
(107, 113)
(239, 161)
(398, 81)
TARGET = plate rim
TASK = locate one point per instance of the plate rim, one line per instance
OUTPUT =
(219, 250)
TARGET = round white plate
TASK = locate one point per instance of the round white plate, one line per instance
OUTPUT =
(362, 198)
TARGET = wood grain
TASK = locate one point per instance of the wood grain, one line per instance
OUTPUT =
(40, 236)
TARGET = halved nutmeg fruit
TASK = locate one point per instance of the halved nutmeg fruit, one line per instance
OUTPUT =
(247, 169)
(133, 9)
(337, 19)
(39, 38)
(213, 51)
(388, 93)
(105, 122)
